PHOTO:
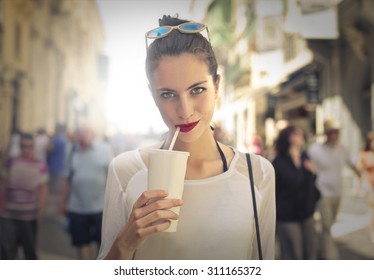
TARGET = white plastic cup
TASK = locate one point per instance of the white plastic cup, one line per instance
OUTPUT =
(167, 170)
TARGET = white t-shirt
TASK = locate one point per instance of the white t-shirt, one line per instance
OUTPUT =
(41, 142)
(329, 163)
(216, 219)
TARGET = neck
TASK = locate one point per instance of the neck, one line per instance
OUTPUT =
(294, 150)
(331, 143)
(203, 148)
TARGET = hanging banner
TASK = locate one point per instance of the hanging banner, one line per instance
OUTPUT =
(312, 85)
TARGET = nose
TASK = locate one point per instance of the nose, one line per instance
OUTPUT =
(185, 107)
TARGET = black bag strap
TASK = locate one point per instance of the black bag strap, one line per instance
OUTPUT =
(254, 206)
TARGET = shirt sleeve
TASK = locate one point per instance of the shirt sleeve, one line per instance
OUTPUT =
(4, 171)
(347, 158)
(114, 218)
(44, 174)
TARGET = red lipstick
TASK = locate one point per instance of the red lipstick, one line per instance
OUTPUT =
(187, 127)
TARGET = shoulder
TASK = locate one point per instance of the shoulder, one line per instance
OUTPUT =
(262, 168)
(279, 161)
(343, 148)
(315, 146)
(315, 149)
(126, 165)
(129, 159)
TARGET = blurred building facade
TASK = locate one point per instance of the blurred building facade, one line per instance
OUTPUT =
(295, 60)
(52, 67)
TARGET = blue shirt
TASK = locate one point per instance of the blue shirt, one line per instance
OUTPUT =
(56, 159)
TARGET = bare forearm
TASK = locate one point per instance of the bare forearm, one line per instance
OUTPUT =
(42, 198)
(65, 194)
(118, 252)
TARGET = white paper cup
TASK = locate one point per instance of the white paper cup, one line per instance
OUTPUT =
(167, 170)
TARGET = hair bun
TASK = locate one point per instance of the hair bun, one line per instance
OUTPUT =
(170, 21)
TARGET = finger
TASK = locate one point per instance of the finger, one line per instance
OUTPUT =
(155, 217)
(147, 195)
(156, 205)
(148, 231)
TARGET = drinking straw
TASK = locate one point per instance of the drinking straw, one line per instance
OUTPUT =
(174, 138)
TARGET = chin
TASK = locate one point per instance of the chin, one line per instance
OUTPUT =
(192, 136)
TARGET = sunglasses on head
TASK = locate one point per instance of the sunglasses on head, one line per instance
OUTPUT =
(163, 31)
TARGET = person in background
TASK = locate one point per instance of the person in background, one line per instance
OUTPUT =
(330, 158)
(84, 186)
(366, 164)
(296, 196)
(22, 201)
(14, 144)
(217, 216)
(255, 145)
(1, 152)
(41, 143)
(56, 159)
(221, 135)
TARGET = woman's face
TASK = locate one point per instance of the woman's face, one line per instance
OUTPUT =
(185, 94)
(27, 148)
(297, 138)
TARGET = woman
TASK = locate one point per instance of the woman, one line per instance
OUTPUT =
(216, 211)
(366, 163)
(296, 196)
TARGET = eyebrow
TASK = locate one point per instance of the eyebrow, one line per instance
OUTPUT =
(196, 84)
(190, 87)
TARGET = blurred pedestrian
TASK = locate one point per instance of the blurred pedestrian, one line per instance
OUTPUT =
(1, 152)
(23, 201)
(366, 164)
(56, 158)
(84, 187)
(41, 143)
(221, 135)
(255, 145)
(329, 159)
(296, 196)
(14, 144)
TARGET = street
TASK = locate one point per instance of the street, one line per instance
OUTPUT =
(350, 231)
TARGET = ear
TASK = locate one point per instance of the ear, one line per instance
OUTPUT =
(216, 86)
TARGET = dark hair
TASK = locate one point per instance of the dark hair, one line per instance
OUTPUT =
(41, 130)
(282, 143)
(27, 136)
(368, 143)
(177, 43)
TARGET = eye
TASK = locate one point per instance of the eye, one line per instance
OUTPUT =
(167, 94)
(197, 90)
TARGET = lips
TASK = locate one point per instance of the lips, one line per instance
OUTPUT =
(187, 127)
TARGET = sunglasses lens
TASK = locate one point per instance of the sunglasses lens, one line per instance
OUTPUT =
(191, 26)
(157, 32)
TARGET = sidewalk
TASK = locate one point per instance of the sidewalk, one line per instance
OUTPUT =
(53, 241)
(351, 231)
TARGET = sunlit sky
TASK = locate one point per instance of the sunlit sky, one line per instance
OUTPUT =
(130, 105)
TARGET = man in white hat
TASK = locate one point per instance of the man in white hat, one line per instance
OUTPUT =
(329, 159)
